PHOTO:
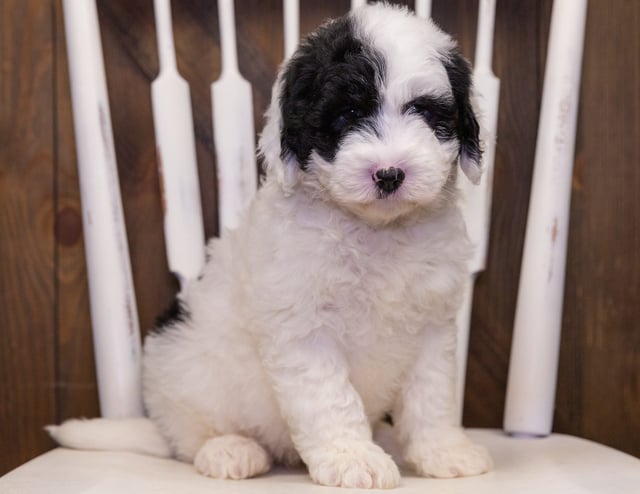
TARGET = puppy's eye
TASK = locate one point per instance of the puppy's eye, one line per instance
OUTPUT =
(346, 118)
(418, 109)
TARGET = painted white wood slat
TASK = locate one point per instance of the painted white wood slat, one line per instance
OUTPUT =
(357, 3)
(423, 8)
(233, 128)
(533, 366)
(177, 164)
(291, 26)
(114, 315)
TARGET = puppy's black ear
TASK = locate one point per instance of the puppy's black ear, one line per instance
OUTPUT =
(468, 130)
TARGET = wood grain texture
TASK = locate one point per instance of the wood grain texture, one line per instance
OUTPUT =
(46, 358)
(515, 64)
(76, 376)
(27, 254)
(599, 387)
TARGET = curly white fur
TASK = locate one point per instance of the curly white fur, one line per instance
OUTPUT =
(330, 306)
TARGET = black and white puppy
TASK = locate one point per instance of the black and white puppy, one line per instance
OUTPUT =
(334, 302)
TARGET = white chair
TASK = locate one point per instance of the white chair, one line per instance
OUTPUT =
(554, 463)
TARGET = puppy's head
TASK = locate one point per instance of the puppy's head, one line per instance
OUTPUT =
(373, 113)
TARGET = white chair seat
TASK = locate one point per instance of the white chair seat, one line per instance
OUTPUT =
(556, 464)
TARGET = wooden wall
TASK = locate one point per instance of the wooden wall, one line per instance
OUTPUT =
(46, 360)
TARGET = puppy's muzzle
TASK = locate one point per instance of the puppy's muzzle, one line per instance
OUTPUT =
(388, 179)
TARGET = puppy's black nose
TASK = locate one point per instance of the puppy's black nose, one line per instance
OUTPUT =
(388, 179)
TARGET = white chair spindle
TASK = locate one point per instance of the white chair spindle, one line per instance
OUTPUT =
(536, 338)
(233, 129)
(177, 164)
(114, 315)
(423, 8)
(291, 26)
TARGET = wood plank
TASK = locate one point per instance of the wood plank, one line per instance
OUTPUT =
(599, 388)
(27, 252)
(260, 50)
(77, 393)
(312, 14)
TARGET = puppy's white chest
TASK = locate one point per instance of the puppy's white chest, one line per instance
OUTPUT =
(378, 371)
(375, 293)
(376, 313)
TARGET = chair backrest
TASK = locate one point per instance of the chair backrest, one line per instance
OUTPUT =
(113, 308)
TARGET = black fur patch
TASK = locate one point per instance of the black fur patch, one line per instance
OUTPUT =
(459, 73)
(330, 87)
(177, 312)
(440, 114)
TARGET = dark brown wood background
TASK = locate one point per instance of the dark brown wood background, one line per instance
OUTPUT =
(46, 360)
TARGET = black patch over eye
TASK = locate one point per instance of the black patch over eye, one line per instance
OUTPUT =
(330, 87)
(439, 113)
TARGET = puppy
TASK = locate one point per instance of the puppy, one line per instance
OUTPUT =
(334, 303)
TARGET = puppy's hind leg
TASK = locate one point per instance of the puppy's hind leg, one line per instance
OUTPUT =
(232, 457)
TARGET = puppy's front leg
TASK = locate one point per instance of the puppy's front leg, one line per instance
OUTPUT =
(425, 415)
(325, 414)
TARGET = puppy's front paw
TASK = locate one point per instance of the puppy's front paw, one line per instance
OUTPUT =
(358, 464)
(450, 454)
(232, 457)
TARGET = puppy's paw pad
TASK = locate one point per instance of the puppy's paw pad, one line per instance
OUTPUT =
(232, 457)
(448, 458)
(354, 464)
